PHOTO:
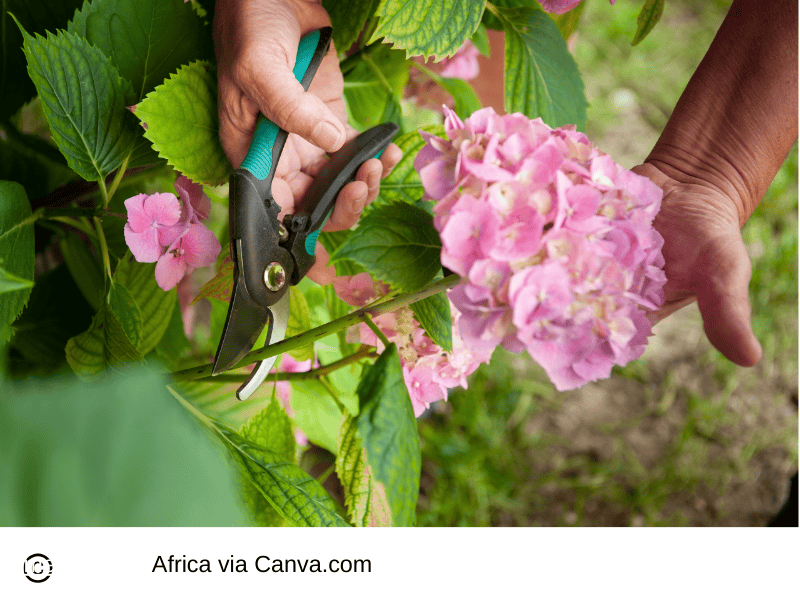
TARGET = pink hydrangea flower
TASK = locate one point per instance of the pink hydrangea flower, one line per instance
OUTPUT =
(559, 7)
(554, 238)
(167, 230)
(428, 370)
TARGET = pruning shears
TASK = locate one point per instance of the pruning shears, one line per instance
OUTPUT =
(268, 255)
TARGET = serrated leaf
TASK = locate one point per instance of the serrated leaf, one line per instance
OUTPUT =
(647, 19)
(395, 243)
(145, 39)
(127, 311)
(83, 98)
(425, 28)
(120, 453)
(299, 321)
(16, 250)
(272, 429)
(433, 313)
(180, 119)
(541, 77)
(83, 267)
(366, 502)
(11, 283)
(348, 18)
(155, 305)
(294, 494)
(16, 88)
(221, 285)
(388, 432)
(103, 345)
(369, 99)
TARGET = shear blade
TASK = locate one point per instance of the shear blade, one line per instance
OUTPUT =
(243, 325)
(278, 320)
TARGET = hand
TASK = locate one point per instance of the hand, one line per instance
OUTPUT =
(256, 44)
(706, 260)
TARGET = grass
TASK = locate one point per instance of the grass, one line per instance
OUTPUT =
(680, 437)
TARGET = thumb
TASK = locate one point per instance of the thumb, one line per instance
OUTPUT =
(269, 82)
(724, 301)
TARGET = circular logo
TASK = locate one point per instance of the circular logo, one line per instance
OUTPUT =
(37, 568)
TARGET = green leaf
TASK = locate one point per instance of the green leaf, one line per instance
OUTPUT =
(28, 160)
(272, 429)
(395, 243)
(221, 285)
(372, 87)
(115, 452)
(173, 345)
(145, 39)
(568, 22)
(83, 98)
(541, 77)
(16, 250)
(299, 321)
(433, 313)
(127, 311)
(481, 40)
(366, 501)
(103, 345)
(348, 18)
(84, 268)
(11, 283)
(428, 28)
(388, 432)
(180, 119)
(316, 413)
(331, 240)
(403, 183)
(16, 88)
(155, 305)
(647, 19)
(294, 494)
(466, 101)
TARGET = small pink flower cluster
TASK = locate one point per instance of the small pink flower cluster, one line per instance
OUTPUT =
(559, 7)
(168, 231)
(428, 370)
(555, 238)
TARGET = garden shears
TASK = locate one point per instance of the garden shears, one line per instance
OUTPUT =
(268, 255)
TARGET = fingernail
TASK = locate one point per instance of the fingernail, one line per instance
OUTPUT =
(326, 135)
(359, 204)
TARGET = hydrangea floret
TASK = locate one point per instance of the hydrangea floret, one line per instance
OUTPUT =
(555, 239)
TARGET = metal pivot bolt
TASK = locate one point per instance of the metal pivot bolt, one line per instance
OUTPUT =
(274, 276)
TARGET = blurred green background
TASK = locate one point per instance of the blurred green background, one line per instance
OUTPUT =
(679, 437)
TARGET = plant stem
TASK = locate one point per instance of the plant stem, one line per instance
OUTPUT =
(375, 329)
(378, 73)
(118, 178)
(323, 331)
(34, 216)
(362, 353)
(80, 226)
(103, 248)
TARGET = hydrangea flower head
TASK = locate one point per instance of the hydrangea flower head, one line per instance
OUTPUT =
(554, 238)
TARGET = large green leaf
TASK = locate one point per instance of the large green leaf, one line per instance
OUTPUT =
(316, 413)
(103, 345)
(395, 243)
(294, 494)
(299, 321)
(388, 433)
(83, 267)
(647, 19)
(433, 313)
(84, 100)
(372, 87)
(16, 251)
(271, 428)
(16, 88)
(180, 119)
(331, 240)
(119, 452)
(428, 28)
(348, 18)
(145, 39)
(154, 304)
(403, 182)
(541, 77)
(11, 283)
(366, 501)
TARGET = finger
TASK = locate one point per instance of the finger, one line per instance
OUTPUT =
(349, 204)
(265, 74)
(390, 157)
(370, 173)
(725, 305)
(321, 272)
(237, 121)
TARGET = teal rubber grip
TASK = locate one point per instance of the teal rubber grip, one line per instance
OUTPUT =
(259, 157)
(311, 242)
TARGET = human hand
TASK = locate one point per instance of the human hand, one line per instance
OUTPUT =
(256, 44)
(706, 260)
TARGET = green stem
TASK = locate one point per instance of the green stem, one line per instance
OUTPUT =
(332, 393)
(362, 353)
(323, 331)
(118, 178)
(493, 9)
(34, 216)
(103, 248)
(378, 73)
(80, 226)
(375, 329)
(325, 474)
